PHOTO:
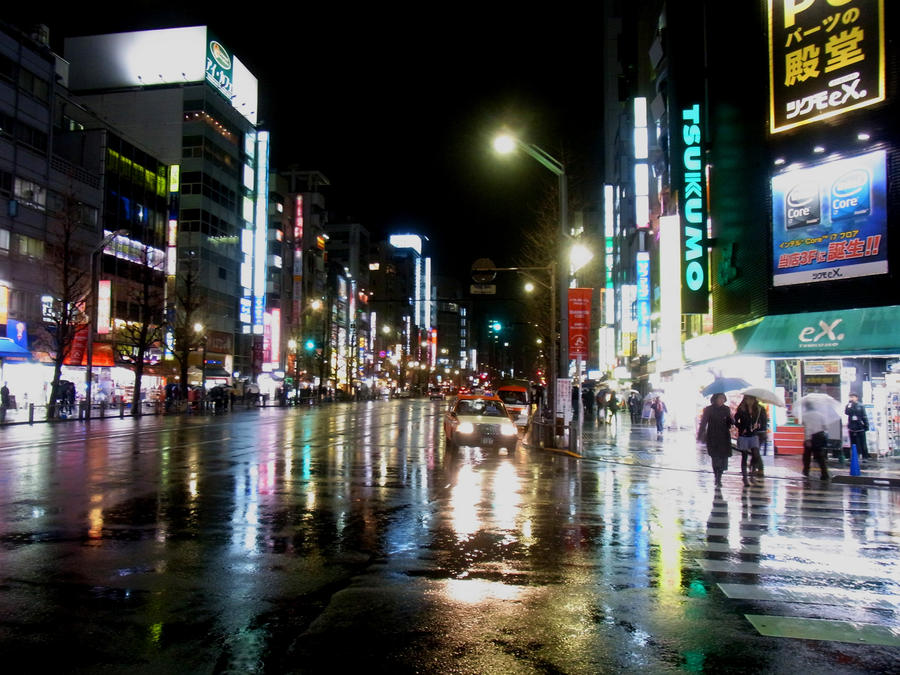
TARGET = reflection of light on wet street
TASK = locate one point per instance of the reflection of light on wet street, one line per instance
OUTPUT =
(473, 591)
(95, 517)
(464, 500)
(506, 496)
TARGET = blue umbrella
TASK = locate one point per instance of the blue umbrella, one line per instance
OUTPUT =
(720, 385)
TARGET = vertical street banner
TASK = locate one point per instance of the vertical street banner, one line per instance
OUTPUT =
(825, 58)
(829, 221)
(579, 307)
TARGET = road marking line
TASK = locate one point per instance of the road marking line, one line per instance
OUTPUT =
(813, 595)
(825, 629)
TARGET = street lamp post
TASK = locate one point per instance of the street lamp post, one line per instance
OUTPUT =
(92, 319)
(505, 144)
(551, 287)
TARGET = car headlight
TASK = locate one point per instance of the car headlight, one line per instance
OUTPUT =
(508, 429)
(466, 428)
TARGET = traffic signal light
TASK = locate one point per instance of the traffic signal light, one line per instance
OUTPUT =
(309, 345)
(495, 326)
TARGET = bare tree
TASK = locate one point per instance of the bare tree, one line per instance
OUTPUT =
(144, 328)
(189, 300)
(69, 278)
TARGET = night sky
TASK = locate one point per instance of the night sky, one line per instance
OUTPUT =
(398, 108)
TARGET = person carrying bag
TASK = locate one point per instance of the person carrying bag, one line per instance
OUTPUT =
(749, 419)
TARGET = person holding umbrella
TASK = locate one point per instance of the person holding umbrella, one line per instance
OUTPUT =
(715, 431)
(816, 437)
(749, 419)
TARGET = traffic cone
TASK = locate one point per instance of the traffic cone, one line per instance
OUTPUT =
(854, 461)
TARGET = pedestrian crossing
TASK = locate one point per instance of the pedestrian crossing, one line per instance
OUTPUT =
(808, 560)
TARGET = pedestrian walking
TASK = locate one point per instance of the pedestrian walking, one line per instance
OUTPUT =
(659, 412)
(587, 400)
(815, 439)
(715, 432)
(634, 407)
(4, 402)
(601, 405)
(612, 407)
(857, 426)
(749, 419)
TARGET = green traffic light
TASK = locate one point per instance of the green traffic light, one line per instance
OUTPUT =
(309, 345)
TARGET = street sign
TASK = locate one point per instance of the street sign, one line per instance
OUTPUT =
(483, 289)
(482, 271)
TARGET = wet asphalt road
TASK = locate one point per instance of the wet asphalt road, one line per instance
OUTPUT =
(318, 540)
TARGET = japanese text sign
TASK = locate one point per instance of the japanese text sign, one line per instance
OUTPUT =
(642, 270)
(830, 221)
(825, 57)
(579, 321)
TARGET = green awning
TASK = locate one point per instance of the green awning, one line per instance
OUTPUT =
(843, 332)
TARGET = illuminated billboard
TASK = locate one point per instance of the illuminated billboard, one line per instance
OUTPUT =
(161, 57)
(830, 221)
(825, 58)
(642, 270)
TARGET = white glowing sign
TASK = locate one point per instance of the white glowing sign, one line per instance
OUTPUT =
(412, 241)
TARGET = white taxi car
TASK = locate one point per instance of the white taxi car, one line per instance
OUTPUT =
(480, 421)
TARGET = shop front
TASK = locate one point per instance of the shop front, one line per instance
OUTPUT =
(837, 352)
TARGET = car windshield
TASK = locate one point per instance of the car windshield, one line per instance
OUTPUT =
(513, 397)
(480, 406)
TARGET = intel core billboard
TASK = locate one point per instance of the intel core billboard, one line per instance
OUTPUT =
(830, 221)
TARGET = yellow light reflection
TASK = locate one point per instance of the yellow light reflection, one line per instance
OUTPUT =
(95, 518)
(464, 500)
(473, 591)
(506, 496)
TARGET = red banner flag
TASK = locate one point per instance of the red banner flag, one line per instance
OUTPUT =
(579, 321)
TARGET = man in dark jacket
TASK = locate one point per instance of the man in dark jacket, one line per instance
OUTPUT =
(715, 431)
(857, 425)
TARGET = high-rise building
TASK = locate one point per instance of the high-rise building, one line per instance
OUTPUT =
(180, 93)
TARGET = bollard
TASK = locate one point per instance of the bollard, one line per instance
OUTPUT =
(31, 413)
(121, 410)
(854, 461)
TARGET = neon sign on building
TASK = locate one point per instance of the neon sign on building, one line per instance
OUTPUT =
(694, 260)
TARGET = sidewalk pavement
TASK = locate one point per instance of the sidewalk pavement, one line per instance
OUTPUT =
(677, 449)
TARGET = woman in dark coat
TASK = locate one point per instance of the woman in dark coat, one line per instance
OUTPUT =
(715, 431)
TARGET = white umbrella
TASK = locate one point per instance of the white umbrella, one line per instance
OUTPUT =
(830, 409)
(764, 395)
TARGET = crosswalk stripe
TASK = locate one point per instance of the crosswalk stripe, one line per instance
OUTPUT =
(788, 569)
(825, 629)
(812, 595)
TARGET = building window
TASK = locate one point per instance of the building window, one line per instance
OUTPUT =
(30, 193)
(29, 247)
(4, 241)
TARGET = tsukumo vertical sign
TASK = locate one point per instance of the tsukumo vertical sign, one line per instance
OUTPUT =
(826, 57)
(579, 307)
(694, 255)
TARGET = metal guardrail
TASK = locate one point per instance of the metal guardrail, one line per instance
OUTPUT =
(58, 412)
(559, 436)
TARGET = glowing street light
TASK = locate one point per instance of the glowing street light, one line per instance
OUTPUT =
(580, 255)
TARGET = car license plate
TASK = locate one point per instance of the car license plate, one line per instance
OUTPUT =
(487, 440)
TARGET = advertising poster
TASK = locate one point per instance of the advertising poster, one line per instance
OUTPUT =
(17, 331)
(830, 221)
(825, 58)
(579, 322)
